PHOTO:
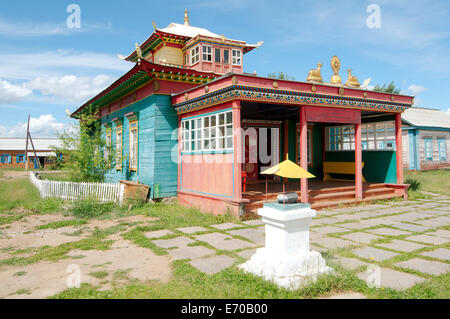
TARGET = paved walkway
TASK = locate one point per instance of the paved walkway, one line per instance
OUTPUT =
(394, 245)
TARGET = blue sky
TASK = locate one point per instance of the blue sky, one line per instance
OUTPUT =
(46, 68)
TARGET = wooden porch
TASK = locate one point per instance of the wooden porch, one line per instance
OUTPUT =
(321, 194)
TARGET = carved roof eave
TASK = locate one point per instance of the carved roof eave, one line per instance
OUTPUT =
(275, 96)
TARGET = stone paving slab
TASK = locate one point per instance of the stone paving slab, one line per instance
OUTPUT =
(192, 229)
(399, 209)
(437, 211)
(247, 254)
(374, 253)
(370, 214)
(435, 222)
(212, 265)
(329, 229)
(428, 239)
(190, 252)
(256, 235)
(326, 212)
(430, 205)
(441, 253)
(408, 217)
(402, 245)
(158, 233)
(343, 217)
(355, 225)
(326, 220)
(441, 233)
(388, 231)
(224, 242)
(173, 242)
(314, 235)
(254, 222)
(378, 221)
(351, 263)
(226, 226)
(410, 227)
(331, 243)
(393, 279)
(361, 237)
(425, 266)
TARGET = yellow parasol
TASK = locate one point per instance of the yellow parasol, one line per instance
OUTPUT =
(287, 169)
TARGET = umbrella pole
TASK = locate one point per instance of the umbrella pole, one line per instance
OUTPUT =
(284, 190)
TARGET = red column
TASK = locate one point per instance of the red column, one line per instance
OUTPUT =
(303, 154)
(358, 163)
(236, 105)
(398, 146)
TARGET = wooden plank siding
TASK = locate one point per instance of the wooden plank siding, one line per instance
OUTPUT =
(156, 122)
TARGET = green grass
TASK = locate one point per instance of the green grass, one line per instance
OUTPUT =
(58, 252)
(20, 273)
(20, 193)
(99, 274)
(435, 181)
(63, 223)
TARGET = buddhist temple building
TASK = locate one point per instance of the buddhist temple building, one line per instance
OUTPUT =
(187, 121)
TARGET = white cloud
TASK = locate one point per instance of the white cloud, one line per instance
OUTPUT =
(10, 93)
(27, 66)
(32, 29)
(43, 126)
(415, 89)
(70, 87)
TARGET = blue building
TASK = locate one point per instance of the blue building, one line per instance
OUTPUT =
(426, 133)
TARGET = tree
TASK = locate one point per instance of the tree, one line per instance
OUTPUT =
(280, 76)
(86, 154)
(390, 88)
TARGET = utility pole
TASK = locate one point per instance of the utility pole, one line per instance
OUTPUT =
(26, 144)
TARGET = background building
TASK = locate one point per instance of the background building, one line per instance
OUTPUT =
(425, 138)
(12, 152)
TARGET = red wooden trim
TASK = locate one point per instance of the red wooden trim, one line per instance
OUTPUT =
(303, 153)
(358, 163)
(332, 115)
(398, 145)
(238, 158)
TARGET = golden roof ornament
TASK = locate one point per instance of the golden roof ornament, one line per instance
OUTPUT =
(335, 65)
(139, 53)
(314, 74)
(352, 80)
(186, 17)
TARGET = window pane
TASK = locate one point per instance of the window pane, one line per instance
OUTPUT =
(229, 142)
(226, 57)
(221, 119)
(229, 118)
(217, 55)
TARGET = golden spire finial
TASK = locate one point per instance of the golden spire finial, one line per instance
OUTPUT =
(335, 65)
(186, 17)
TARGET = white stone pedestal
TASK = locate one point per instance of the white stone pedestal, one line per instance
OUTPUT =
(286, 259)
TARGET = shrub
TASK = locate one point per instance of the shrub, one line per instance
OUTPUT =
(414, 184)
(90, 208)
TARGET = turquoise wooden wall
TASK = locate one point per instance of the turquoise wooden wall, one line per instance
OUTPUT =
(156, 143)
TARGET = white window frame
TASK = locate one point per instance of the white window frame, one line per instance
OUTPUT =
(428, 150)
(207, 53)
(186, 59)
(210, 132)
(133, 145)
(195, 55)
(119, 144)
(309, 145)
(236, 57)
(442, 148)
(374, 136)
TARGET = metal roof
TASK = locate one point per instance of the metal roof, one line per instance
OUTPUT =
(424, 117)
(17, 144)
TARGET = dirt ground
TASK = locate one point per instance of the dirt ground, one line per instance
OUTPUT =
(118, 265)
(8, 175)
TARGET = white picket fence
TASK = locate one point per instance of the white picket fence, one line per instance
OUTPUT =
(70, 191)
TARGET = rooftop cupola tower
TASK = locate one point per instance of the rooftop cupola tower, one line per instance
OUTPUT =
(186, 17)
(189, 47)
